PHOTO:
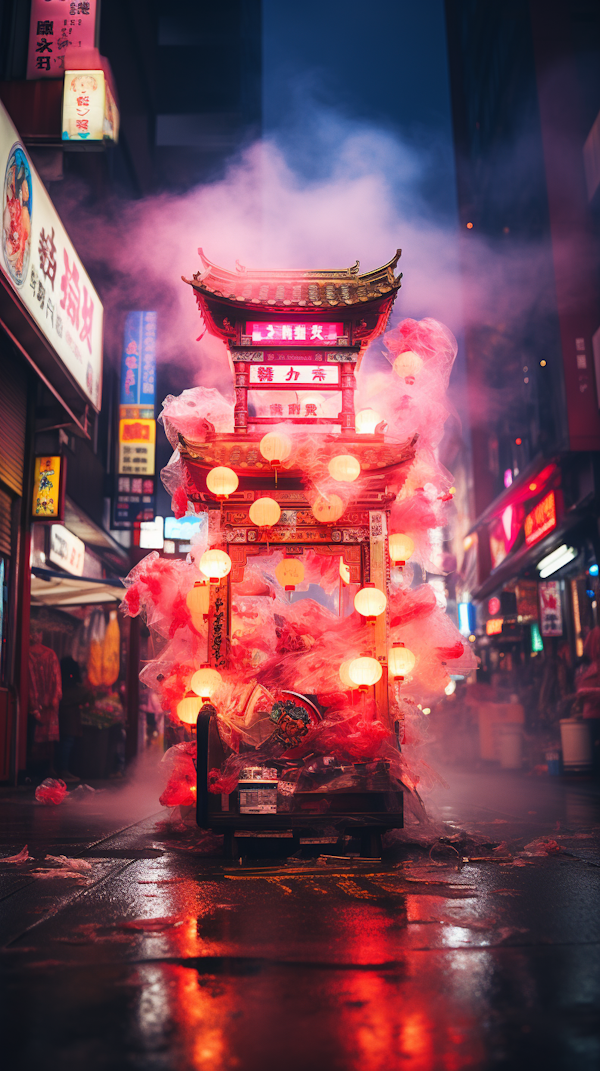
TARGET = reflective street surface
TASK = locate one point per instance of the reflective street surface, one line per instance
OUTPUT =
(145, 952)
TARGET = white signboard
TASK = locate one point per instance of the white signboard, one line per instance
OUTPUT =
(550, 608)
(262, 375)
(66, 550)
(41, 265)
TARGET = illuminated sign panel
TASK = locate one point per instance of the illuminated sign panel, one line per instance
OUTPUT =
(48, 489)
(266, 375)
(137, 439)
(138, 362)
(296, 333)
(550, 608)
(42, 267)
(89, 112)
(57, 31)
(66, 550)
(494, 605)
(493, 627)
(541, 520)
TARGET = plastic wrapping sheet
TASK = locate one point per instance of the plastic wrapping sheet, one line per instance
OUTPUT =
(430, 339)
(159, 586)
(179, 762)
(196, 413)
(51, 791)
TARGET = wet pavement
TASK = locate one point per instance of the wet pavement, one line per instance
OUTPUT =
(459, 953)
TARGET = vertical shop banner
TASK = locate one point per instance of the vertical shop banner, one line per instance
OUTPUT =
(135, 493)
(49, 483)
(57, 29)
(550, 608)
(89, 111)
(42, 267)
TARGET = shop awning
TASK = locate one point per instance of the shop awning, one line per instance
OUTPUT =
(50, 588)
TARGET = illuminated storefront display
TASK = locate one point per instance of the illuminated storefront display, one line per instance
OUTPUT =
(493, 627)
(89, 110)
(42, 267)
(541, 520)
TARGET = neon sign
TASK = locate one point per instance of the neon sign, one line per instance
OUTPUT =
(541, 520)
(267, 375)
(493, 627)
(296, 333)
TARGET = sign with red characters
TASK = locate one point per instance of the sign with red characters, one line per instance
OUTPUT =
(296, 333)
(541, 520)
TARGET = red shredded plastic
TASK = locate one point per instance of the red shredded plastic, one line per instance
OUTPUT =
(179, 502)
(51, 791)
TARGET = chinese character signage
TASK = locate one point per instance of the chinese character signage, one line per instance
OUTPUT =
(89, 111)
(550, 608)
(137, 440)
(541, 520)
(66, 550)
(57, 29)
(266, 375)
(42, 267)
(134, 501)
(48, 489)
(318, 333)
(138, 363)
(493, 627)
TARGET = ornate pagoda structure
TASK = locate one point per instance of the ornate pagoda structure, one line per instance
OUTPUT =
(290, 334)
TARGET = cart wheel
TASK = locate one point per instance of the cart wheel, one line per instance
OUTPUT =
(370, 844)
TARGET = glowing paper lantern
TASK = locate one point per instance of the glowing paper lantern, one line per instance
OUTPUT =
(344, 468)
(275, 447)
(370, 602)
(188, 709)
(215, 564)
(265, 512)
(401, 548)
(401, 661)
(366, 421)
(290, 573)
(450, 687)
(345, 676)
(364, 672)
(344, 571)
(408, 365)
(328, 510)
(198, 600)
(206, 681)
(222, 481)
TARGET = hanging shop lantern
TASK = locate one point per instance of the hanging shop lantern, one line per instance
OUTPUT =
(344, 468)
(275, 447)
(328, 509)
(198, 601)
(205, 681)
(366, 421)
(408, 365)
(364, 672)
(215, 564)
(188, 709)
(290, 573)
(401, 547)
(370, 602)
(222, 481)
(265, 512)
(345, 675)
(401, 661)
(344, 571)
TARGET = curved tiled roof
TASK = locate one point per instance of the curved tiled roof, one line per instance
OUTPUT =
(297, 290)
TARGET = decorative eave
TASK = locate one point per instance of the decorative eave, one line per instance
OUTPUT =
(297, 291)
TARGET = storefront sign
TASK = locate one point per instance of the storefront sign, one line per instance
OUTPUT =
(57, 28)
(537, 643)
(527, 599)
(43, 269)
(66, 550)
(494, 605)
(493, 627)
(289, 375)
(134, 502)
(89, 111)
(550, 608)
(541, 520)
(137, 440)
(138, 362)
(48, 489)
(296, 333)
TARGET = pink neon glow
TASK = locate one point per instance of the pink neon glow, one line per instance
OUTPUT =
(295, 332)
